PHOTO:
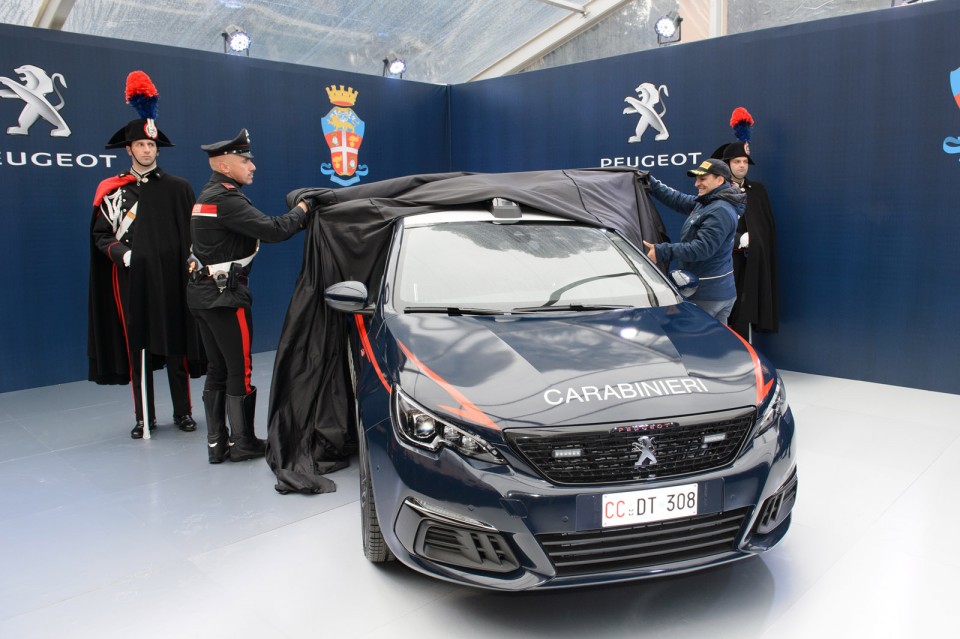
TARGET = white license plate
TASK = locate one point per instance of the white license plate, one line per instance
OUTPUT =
(645, 506)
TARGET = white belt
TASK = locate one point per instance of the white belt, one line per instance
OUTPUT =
(225, 266)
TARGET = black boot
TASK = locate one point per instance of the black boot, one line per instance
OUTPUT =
(186, 423)
(137, 432)
(214, 405)
(243, 443)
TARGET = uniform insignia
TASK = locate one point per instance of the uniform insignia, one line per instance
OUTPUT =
(227, 185)
(205, 209)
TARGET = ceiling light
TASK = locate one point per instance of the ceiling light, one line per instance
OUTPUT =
(395, 67)
(668, 28)
(236, 39)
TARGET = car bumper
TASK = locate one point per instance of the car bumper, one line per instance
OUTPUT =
(493, 527)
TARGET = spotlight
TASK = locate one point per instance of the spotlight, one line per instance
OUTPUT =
(668, 28)
(395, 67)
(237, 39)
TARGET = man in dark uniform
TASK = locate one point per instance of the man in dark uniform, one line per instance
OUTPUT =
(227, 230)
(755, 246)
(139, 253)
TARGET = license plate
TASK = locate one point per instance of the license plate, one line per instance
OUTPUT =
(645, 506)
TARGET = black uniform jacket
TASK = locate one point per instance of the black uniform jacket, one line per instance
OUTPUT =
(225, 227)
(755, 269)
(153, 288)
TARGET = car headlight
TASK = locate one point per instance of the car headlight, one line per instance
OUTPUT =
(775, 407)
(417, 426)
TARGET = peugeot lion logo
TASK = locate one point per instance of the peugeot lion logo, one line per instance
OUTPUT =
(644, 446)
(648, 96)
(36, 85)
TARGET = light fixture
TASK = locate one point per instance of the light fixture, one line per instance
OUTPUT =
(395, 67)
(668, 28)
(236, 39)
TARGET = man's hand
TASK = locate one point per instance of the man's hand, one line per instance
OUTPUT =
(193, 264)
(651, 252)
(126, 258)
(311, 197)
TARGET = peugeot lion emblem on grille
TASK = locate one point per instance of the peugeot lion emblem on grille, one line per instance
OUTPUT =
(644, 446)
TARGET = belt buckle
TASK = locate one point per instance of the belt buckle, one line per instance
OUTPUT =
(220, 278)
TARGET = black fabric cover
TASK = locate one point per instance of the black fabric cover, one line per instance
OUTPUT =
(347, 239)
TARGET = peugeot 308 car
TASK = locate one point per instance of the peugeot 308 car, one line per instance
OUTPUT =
(538, 406)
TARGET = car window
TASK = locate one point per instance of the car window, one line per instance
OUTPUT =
(528, 265)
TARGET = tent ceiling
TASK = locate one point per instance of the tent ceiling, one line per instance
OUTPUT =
(442, 41)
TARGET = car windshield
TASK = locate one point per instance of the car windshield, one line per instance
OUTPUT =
(480, 267)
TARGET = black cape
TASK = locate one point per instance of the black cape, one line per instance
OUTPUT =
(755, 270)
(157, 317)
(311, 402)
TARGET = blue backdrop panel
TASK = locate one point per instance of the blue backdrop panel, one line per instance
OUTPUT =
(49, 181)
(851, 118)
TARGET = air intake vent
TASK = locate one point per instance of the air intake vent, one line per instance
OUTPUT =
(632, 547)
(465, 547)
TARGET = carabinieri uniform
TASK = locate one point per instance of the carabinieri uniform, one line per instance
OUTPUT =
(226, 230)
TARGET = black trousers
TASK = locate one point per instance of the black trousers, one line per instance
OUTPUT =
(227, 334)
(178, 377)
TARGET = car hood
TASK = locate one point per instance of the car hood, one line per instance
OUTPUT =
(565, 368)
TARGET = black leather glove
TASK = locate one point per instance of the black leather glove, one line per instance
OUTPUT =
(313, 197)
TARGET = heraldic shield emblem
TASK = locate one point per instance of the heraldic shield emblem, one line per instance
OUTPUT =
(343, 131)
(952, 144)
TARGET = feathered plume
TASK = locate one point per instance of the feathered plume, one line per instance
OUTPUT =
(742, 123)
(142, 95)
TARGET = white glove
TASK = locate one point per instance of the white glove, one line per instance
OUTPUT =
(126, 258)
(744, 240)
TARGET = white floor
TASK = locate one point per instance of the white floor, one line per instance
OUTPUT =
(103, 536)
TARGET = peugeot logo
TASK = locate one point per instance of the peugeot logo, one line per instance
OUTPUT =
(644, 446)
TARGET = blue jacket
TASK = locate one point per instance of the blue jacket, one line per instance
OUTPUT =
(706, 238)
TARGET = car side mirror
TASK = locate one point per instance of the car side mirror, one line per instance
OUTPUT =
(685, 281)
(347, 297)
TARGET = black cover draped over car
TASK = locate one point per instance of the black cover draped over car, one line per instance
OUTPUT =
(311, 403)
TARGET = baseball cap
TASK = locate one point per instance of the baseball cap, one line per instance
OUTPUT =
(713, 166)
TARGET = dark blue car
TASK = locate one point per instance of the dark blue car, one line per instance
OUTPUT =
(538, 406)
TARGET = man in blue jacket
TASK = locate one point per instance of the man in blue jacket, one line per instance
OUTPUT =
(706, 238)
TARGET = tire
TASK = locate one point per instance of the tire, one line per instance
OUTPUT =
(374, 547)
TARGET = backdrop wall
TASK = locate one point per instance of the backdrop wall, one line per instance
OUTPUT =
(853, 117)
(49, 181)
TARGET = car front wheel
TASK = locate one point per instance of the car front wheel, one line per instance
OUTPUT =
(374, 547)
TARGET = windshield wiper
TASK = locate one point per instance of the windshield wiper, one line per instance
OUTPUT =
(452, 310)
(570, 307)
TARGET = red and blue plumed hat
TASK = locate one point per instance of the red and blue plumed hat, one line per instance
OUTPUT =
(143, 96)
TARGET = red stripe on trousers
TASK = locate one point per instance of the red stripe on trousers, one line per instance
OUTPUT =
(245, 339)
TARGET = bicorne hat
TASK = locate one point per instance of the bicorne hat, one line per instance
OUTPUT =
(742, 123)
(142, 95)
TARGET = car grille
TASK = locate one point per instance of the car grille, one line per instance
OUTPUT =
(603, 454)
(645, 545)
